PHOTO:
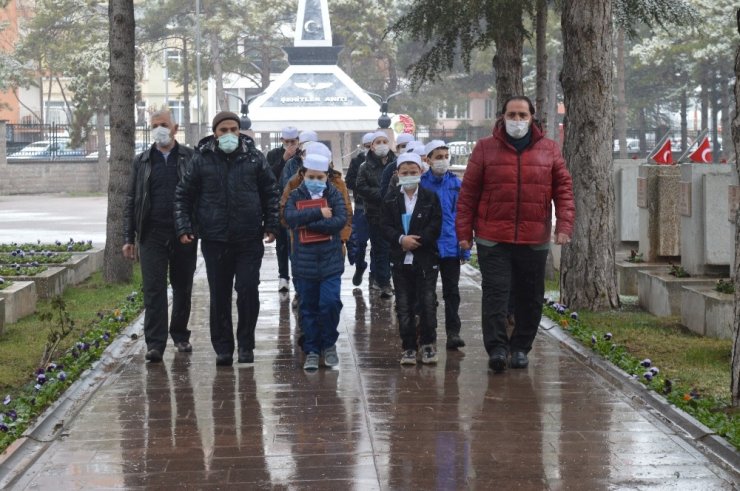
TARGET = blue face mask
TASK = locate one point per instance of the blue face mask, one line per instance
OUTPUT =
(315, 186)
(228, 142)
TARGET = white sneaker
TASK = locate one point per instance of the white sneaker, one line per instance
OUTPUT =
(283, 285)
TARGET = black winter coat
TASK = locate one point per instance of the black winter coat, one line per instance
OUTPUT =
(275, 161)
(138, 205)
(232, 196)
(368, 185)
(425, 222)
(351, 178)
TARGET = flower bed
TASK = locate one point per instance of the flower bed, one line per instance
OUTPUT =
(4, 283)
(57, 246)
(714, 412)
(33, 257)
(19, 270)
(48, 383)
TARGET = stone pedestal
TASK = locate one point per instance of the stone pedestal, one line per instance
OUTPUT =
(49, 283)
(2, 315)
(19, 299)
(657, 198)
(708, 312)
(625, 175)
(707, 235)
(79, 268)
(661, 293)
(627, 275)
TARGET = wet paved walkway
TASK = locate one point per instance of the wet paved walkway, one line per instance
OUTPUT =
(370, 424)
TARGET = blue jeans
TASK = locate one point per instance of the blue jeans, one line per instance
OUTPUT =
(357, 244)
(380, 262)
(320, 306)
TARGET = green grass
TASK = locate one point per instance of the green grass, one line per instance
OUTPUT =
(54, 258)
(22, 343)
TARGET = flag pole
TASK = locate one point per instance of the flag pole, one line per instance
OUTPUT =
(698, 138)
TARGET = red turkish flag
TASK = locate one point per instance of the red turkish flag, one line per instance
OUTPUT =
(703, 153)
(664, 155)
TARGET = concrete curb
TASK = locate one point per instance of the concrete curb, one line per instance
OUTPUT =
(703, 437)
(48, 426)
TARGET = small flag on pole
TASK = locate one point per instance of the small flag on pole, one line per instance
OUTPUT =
(703, 153)
(663, 155)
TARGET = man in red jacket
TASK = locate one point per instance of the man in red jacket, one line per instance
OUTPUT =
(505, 205)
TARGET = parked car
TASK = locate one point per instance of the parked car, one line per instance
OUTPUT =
(139, 147)
(45, 149)
(633, 146)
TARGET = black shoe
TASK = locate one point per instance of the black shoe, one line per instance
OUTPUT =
(246, 356)
(357, 278)
(454, 341)
(224, 360)
(184, 347)
(497, 360)
(154, 355)
(519, 360)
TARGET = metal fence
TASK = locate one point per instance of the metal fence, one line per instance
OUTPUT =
(52, 142)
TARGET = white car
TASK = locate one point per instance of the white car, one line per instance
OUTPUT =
(45, 149)
(633, 146)
(138, 148)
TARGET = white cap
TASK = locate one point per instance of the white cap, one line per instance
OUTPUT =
(308, 136)
(289, 133)
(380, 134)
(404, 138)
(417, 148)
(408, 157)
(433, 145)
(314, 161)
(368, 138)
(318, 148)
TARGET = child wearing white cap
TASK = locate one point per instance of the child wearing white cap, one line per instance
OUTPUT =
(412, 220)
(318, 263)
(277, 157)
(440, 180)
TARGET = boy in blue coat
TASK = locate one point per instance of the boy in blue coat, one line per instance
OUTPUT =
(318, 266)
(411, 222)
(447, 187)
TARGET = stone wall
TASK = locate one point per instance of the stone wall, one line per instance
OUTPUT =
(45, 176)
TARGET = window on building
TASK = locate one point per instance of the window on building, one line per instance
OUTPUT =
(177, 109)
(233, 102)
(454, 111)
(141, 116)
(490, 109)
(173, 58)
(55, 112)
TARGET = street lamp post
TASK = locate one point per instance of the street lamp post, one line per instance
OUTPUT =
(384, 121)
(244, 122)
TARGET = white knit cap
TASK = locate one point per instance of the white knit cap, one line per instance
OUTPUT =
(408, 157)
(318, 148)
(380, 134)
(404, 138)
(433, 145)
(314, 161)
(308, 136)
(417, 148)
(368, 138)
(289, 133)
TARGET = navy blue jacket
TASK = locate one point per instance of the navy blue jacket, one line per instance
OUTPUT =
(319, 260)
(368, 185)
(289, 170)
(232, 197)
(447, 188)
(426, 222)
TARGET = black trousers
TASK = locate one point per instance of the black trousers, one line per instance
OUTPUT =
(160, 252)
(233, 266)
(507, 267)
(414, 284)
(282, 250)
(449, 270)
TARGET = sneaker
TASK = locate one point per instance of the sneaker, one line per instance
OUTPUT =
(454, 341)
(429, 354)
(283, 285)
(331, 359)
(294, 303)
(386, 291)
(408, 357)
(373, 285)
(312, 362)
(153, 355)
(184, 347)
(357, 278)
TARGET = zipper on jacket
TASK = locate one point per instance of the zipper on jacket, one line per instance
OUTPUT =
(518, 194)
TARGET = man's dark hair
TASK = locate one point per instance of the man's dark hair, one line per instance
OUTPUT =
(518, 98)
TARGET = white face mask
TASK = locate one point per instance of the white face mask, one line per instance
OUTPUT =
(381, 150)
(424, 167)
(516, 129)
(440, 166)
(161, 136)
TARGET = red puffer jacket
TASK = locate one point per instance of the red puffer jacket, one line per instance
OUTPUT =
(507, 196)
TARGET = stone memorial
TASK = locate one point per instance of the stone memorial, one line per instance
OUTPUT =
(660, 225)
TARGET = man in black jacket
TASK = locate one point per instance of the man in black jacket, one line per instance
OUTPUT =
(360, 234)
(276, 158)
(412, 222)
(231, 192)
(148, 220)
